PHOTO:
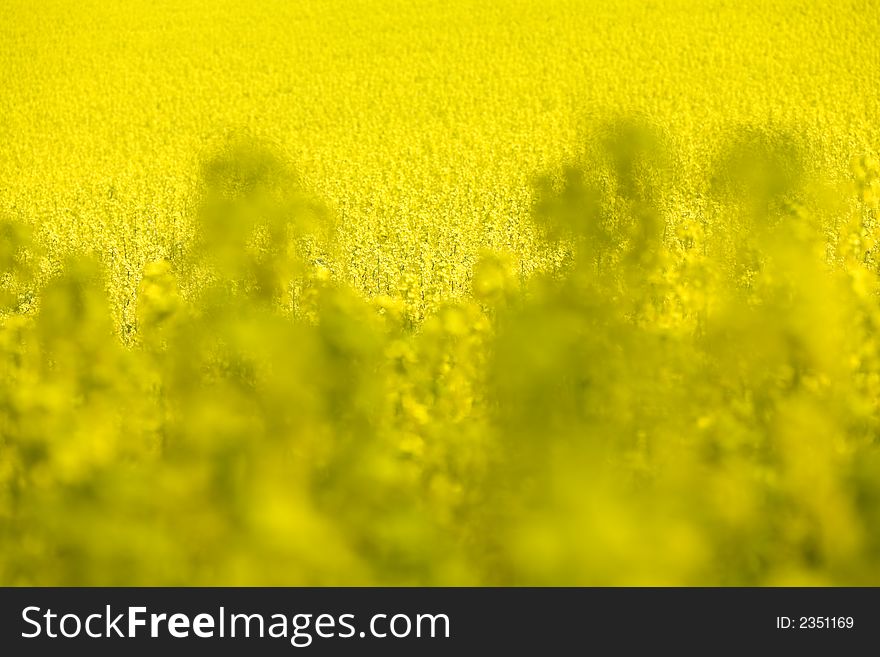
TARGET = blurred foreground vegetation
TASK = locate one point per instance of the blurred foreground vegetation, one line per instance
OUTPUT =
(689, 395)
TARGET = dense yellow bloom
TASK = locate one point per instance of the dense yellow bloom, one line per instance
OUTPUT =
(439, 293)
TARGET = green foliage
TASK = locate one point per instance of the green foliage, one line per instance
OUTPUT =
(281, 304)
(643, 414)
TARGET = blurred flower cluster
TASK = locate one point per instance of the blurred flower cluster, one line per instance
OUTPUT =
(687, 396)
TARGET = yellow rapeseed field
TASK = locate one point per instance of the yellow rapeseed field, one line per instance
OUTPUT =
(440, 292)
